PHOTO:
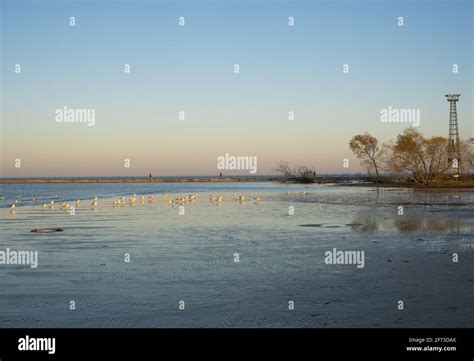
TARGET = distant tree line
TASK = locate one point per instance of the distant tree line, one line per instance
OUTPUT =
(411, 156)
(420, 159)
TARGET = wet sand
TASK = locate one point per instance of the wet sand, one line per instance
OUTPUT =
(191, 257)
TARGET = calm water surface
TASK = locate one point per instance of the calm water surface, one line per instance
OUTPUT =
(191, 257)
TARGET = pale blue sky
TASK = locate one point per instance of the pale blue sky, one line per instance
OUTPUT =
(191, 68)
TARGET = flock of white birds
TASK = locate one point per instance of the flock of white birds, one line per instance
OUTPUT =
(134, 199)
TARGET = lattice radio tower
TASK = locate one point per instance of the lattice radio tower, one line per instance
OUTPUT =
(454, 153)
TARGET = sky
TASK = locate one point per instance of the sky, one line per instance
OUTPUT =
(190, 69)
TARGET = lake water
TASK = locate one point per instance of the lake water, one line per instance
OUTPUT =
(192, 257)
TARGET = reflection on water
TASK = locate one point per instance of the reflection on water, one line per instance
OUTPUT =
(428, 225)
(191, 256)
(371, 223)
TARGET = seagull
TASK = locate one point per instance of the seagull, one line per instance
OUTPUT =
(13, 205)
(65, 206)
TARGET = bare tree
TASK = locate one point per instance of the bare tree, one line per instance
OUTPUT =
(467, 155)
(302, 174)
(424, 160)
(367, 149)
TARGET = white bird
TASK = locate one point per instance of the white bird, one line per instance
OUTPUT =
(65, 206)
(13, 205)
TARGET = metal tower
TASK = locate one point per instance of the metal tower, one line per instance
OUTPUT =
(454, 153)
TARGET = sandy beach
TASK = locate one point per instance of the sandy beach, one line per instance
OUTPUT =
(191, 257)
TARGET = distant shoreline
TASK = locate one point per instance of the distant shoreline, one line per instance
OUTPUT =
(345, 181)
(139, 180)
